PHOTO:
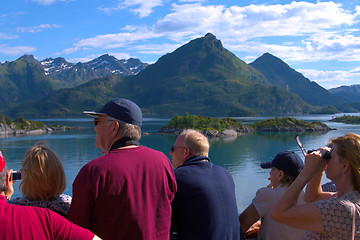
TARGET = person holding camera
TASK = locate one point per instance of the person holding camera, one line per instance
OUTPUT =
(285, 167)
(329, 215)
(44, 181)
(29, 222)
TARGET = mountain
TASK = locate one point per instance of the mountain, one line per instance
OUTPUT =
(350, 93)
(213, 81)
(201, 77)
(22, 80)
(71, 75)
(283, 76)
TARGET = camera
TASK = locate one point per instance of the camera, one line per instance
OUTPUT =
(327, 154)
(15, 175)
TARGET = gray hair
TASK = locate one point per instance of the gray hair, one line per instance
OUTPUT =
(3, 179)
(196, 142)
(128, 130)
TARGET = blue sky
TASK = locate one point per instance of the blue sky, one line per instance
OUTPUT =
(320, 39)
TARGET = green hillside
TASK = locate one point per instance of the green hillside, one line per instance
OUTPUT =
(204, 78)
(282, 76)
(22, 80)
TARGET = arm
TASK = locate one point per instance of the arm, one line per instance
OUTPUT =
(313, 192)
(248, 217)
(304, 216)
(9, 190)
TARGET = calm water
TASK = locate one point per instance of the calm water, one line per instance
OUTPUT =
(241, 156)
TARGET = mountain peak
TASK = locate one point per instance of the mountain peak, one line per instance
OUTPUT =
(27, 57)
(210, 35)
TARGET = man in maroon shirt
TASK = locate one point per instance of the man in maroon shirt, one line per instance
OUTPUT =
(28, 222)
(127, 192)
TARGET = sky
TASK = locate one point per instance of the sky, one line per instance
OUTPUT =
(319, 39)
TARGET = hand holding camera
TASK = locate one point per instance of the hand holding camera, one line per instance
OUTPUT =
(15, 175)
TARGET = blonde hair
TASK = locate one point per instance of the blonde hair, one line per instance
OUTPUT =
(348, 147)
(196, 142)
(44, 176)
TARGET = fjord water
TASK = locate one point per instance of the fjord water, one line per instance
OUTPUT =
(241, 156)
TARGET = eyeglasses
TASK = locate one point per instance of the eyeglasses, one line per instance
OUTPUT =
(172, 148)
(97, 121)
(297, 138)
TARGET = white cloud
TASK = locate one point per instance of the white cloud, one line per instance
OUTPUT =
(38, 28)
(17, 50)
(7, 36)
(192, 1)
(331, 79)
(317, 30)
(44, 2)
(110, 41)
(138, 7)
(159, 49)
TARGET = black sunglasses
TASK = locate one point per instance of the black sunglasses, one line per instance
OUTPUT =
(97, 121)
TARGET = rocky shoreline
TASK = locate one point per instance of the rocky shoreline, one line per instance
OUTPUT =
(9, 128)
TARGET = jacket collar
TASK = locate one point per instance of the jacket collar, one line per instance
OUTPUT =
(196, 159)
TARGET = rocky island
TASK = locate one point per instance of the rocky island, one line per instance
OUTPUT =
(22, 126)
(347, 119)
(229, 127)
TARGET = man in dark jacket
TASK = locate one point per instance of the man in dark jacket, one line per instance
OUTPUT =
(205, 204)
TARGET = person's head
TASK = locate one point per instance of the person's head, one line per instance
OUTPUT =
(285, 167)
(44, 175)
(189, 143)
(116, 119)
(346, 149)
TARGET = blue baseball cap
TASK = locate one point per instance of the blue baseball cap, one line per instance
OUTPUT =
(286, 161)
(121, 109)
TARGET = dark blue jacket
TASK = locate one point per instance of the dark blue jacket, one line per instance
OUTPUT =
(205, 204)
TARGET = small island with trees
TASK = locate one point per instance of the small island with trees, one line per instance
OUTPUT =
(22, 126)
(347, 119)
(229, 127)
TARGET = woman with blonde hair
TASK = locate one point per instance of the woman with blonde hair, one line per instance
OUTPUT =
(43, 181)
(327, 215)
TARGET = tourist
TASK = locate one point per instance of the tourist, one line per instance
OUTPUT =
(44, 180)
(127, 192)
(330, 215)
(285, 167)
(28, 222)
(205, 204)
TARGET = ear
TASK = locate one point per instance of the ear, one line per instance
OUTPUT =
(115, 129)
(281, 174)
(187, 152)
(346, 166)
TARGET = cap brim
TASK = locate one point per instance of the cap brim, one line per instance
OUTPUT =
(266, 165)
(93, 114)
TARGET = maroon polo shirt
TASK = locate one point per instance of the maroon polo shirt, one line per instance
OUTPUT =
(125, 194)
